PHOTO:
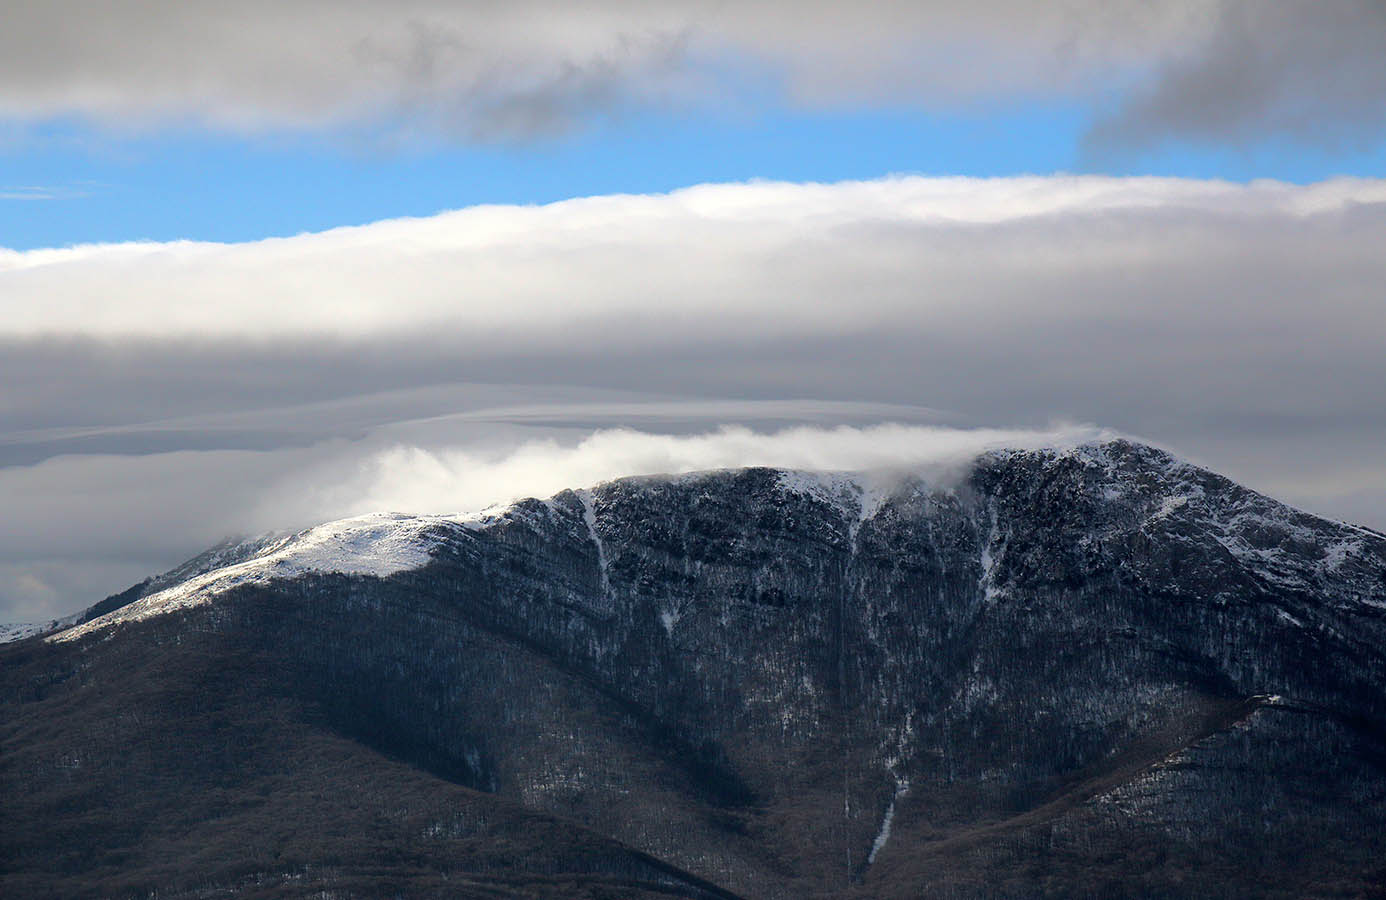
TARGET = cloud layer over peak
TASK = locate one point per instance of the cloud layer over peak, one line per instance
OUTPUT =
(149, 386)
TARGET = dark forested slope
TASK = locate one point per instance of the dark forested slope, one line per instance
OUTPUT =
(1088, 672)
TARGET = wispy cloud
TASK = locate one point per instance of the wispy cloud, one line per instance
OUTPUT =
(27, 192)
(44, 192)
(58, 551)
(448, 480)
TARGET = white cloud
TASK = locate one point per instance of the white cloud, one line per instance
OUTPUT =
(1241, 324)
(415, 479)
(715, 260)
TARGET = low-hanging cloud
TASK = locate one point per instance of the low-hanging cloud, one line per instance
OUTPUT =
(415, 479)
(59, 549)
(157, 396)
(1206, 70)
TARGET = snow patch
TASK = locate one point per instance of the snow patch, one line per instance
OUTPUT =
(1282, 560)
(1286, 617)
(378, 545)
(589, 515)
(858, 497)
(1169, 505)
(1341, 552)
(18, 631)
(883, 836)
(990, 556)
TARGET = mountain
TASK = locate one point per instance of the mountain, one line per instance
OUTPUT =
(1087, 672)
(18, 631)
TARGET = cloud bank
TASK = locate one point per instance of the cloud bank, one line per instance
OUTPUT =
(1204, 70)
(159, 396)
(739, 260)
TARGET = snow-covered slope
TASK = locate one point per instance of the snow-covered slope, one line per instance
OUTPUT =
(378, 545)
(18, 631)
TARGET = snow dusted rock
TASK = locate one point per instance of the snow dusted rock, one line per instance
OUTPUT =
(18, 631)
(377, 545)
(1095, 671)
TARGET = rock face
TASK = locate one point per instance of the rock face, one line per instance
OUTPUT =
(1091, 672)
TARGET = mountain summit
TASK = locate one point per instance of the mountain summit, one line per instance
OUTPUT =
(1097, 671)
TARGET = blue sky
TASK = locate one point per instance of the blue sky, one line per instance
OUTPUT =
(76, 183)
(153, 119)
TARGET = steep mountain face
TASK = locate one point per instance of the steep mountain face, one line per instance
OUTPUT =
(1090, 672)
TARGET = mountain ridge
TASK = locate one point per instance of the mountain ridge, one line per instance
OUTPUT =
(1089, 672)
(872, 489)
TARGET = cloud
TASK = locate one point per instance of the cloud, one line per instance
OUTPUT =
(1305, 71)
(1160, 306)
(415, 479)
(157, 396)
(476, 70)
(80, 527)
(483, 71)
(716, 261)
(29, 192)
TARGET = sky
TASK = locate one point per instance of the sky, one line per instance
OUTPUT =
(264, 264)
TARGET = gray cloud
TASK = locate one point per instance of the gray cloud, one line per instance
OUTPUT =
(478, 70)
(1204, 70)
(1308, 71)
(159, 396)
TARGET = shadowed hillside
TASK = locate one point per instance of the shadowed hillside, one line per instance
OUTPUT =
(1096, 672)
